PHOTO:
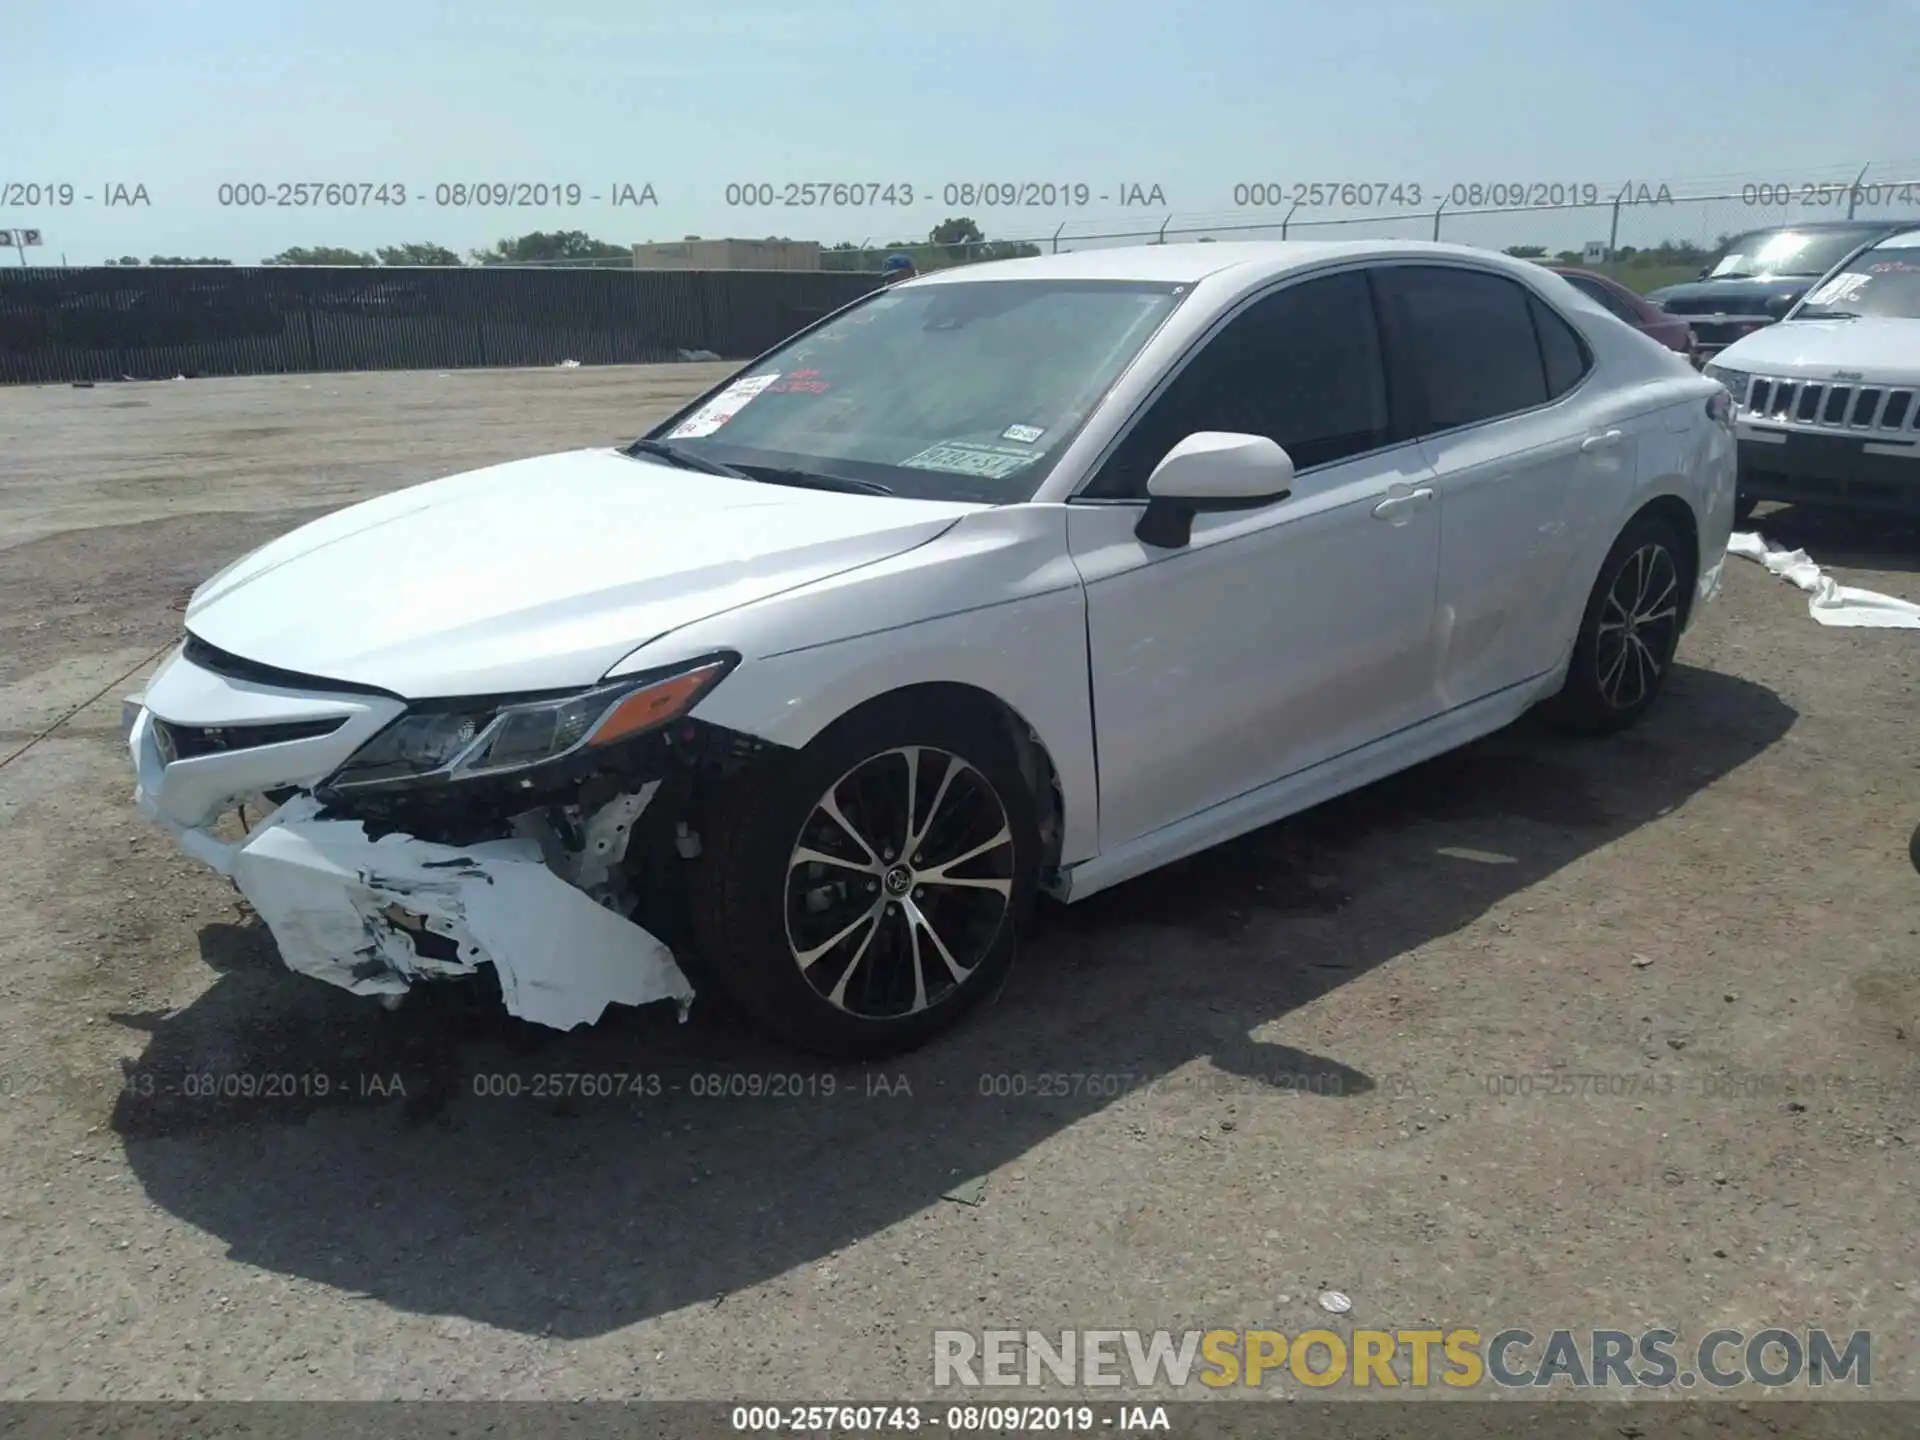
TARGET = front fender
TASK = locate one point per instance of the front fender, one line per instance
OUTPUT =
(994, 603)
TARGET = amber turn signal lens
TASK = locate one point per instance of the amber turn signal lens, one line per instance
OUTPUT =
(644, 709)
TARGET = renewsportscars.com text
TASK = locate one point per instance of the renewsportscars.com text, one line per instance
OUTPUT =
(1457, 1358)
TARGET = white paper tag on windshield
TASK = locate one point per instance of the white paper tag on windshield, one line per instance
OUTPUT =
(1025, 434)
(722, 408)
(1841, 287)
(960, 458)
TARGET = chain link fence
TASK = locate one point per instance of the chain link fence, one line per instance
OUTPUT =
(1644, 235)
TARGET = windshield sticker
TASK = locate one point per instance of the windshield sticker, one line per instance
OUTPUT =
(722, 408)
(1025, 434)
(1841, 287)
(801, 382)
(956, 457)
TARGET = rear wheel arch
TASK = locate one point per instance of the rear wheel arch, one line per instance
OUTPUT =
(1686, 526)
(1658, 538)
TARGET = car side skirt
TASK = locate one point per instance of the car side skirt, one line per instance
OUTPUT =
(1305, 789)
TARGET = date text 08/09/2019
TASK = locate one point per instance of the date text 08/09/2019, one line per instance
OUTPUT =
(1464, 195)
(336, 194)
(972, 194)
(443, 195)
(955, 1419)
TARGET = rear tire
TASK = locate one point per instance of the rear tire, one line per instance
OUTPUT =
(808, 904)
(1629, 631)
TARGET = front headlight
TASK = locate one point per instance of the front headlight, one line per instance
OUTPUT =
(1734, 380)
(463, 741)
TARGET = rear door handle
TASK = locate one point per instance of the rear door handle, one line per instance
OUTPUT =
(1606, 440)
(1393, 509)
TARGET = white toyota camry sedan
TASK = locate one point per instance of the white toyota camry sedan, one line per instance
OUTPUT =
(1021, 578)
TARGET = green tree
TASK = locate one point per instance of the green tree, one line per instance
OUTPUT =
(320, 255)
(1527, 252)
(1673, 252)
(419, 253)
(958, 236)
(1569, 257)
(545, 247)
(935, 253)
(125, 260)
(186, 260)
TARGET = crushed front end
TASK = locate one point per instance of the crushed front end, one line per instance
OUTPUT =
(386, 844)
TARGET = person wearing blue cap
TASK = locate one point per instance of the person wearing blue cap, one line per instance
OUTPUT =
(897, 267)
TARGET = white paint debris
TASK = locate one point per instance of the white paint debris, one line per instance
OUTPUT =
(568, 365)
(1335, 1303)
(1479, 857)
(344, 909)
(1829, 603)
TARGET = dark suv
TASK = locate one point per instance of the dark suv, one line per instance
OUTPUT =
(1756, 278)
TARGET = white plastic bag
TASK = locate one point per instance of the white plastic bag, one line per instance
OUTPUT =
(1828, 602)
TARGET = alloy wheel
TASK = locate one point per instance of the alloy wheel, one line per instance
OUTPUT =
(899, 883)
(1637, 625)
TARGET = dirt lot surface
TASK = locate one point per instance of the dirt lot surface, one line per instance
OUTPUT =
(1706, 928)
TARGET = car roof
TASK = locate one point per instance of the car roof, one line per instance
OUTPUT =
(1191, 262)
(1586, 275)
(1863, 226)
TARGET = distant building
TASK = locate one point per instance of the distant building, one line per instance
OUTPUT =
(728, 255)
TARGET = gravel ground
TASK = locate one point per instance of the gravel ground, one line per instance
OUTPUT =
(1714, 914)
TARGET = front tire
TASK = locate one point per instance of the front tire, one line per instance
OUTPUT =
(1629, 631)
(862, 897)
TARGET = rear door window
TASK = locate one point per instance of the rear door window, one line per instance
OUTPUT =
(1470, 341)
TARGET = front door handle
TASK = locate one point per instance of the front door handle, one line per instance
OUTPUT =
(1606, 440)
(1394, 508)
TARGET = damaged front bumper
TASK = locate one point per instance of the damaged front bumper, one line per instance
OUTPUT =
(376, 915)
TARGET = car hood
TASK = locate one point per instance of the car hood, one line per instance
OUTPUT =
(536, 575)
(1731, 297)
(1873, 350)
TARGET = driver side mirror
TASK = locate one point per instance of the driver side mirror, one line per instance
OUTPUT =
(1211, 470)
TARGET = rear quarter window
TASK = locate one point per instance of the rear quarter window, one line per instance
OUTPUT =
(1562, 352)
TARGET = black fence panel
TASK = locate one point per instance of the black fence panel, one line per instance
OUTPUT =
(151, 324)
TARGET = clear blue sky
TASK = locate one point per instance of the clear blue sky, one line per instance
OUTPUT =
(181, 96)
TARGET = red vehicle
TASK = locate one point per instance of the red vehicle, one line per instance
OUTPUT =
(1671, 331)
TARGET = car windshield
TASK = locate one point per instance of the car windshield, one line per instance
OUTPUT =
(966, 390)
(1785, 251)
(1883, 282)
